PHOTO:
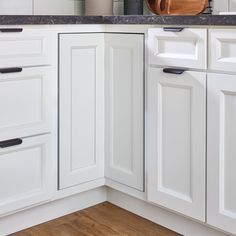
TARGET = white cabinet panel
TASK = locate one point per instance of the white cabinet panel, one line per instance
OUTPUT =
(25, 102)
(81, 108)
(125, 109)
(176, 141)
(221, 152)
(31, 47)
(25, 174)
(186, 48)
(222, 53)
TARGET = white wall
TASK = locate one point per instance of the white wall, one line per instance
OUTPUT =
(19, 7)
(224, 5)
(76, 7)
(49, 7)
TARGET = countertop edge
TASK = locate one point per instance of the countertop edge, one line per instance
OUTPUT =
(208, 20)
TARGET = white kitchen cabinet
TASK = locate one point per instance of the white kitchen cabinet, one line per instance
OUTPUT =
(177, 46)
(25, 173)
(176, 111)
(23, 47)
(81, 122)
(25, 102)
(222, 53)
(124, 60)
(221, 174)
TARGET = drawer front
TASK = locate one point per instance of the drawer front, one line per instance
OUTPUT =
(25, 174)
(222, 50)
(186, 48)
(25, 103)
(31, 47)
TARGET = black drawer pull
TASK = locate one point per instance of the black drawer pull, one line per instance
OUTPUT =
(10, 70)
(10, 143)
(174, 71)
(173, 29)
(11, 30)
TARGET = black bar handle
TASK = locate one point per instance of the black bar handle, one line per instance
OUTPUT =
(11, 142)
(11, 30)
(173, 29)
(174, 71)
(10, 70)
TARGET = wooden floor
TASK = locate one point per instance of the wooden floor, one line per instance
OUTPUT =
(101, 220)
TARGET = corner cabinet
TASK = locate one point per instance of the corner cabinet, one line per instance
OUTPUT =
(101, 80)
(81, 109)
(124, 60)
(221, 152)
(176, 109)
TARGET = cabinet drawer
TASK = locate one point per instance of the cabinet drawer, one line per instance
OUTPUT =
(222, 50)
(25, 103)
(25, 174)
(186, 48)
(30, 47)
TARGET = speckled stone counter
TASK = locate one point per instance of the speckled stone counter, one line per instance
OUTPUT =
(49, 20)
(221, 20)
(173, 20)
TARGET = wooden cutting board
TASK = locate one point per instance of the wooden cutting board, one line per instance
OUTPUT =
(177, 7)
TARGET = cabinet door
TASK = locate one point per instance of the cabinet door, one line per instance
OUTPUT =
(176, 141)
(25, 174)
(124, 109)
(81, 108)
(221, 152)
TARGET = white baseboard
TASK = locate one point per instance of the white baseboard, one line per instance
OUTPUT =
(52, 210)
(177, 223)
(125, 189)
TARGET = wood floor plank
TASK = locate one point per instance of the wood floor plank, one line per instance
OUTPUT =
(104, 219)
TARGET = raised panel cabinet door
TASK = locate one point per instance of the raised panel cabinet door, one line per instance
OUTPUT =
(176, 111)
(124, 60)
(25, 103)
(81, 135)
(221, 152)
(26, 174)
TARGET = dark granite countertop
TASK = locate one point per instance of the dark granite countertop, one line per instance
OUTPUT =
(214, 20)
